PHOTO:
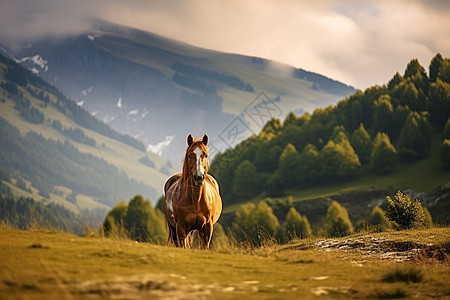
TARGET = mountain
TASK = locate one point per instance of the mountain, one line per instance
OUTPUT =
(55, 150)
(159, 90)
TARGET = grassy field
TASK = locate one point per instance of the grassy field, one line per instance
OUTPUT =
(45, 264)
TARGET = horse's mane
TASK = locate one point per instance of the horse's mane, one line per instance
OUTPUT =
(195, 143)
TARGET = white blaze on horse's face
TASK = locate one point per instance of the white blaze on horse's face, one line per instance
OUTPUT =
(199, 175)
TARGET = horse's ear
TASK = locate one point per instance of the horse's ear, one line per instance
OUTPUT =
(189, 139)
(205, 139)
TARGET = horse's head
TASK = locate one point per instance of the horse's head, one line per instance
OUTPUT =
(195, 161)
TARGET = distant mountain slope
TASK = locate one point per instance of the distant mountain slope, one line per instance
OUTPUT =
(159, 90)
(53, 149)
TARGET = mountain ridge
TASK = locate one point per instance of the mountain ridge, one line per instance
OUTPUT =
(53, 149)
(111, 65)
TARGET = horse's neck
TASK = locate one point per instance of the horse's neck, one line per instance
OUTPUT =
(194, 192)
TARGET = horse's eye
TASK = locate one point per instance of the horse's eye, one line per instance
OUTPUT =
(206, 155)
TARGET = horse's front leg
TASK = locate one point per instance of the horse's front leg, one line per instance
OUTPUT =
(206, 234)
(181, 235)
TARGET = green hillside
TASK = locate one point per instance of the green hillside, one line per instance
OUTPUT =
(386, 138)
(52, 149)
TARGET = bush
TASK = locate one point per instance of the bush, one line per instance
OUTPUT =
(138, 221)
(255, 224)
(295, 226)
(404, 212)
(337, 222)
(404, 275)
(378, 219)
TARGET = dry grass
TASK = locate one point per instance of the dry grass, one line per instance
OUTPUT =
(53, 265)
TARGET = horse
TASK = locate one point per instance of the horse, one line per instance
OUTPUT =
(192, 200)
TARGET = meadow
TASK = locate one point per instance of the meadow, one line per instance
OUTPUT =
(48, 264)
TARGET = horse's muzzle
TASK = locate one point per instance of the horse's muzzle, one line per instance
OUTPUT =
(198, 179)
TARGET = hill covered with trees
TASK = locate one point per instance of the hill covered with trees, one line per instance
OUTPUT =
(53, 149)
(366, 133)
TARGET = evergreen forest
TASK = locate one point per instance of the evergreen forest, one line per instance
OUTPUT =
(370, 131)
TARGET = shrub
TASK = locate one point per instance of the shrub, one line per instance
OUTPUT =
(378, 219)
(337, 221)
(404, 212)
(403, 275)
(255, 224)
(295, 226)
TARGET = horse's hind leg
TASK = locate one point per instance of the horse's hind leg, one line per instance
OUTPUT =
(181, 234)
(172, 234)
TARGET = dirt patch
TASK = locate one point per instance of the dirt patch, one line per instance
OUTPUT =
(394, 250)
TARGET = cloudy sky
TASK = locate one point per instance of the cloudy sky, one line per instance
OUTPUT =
(361, 43)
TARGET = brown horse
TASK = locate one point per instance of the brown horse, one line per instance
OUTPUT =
(192, 200)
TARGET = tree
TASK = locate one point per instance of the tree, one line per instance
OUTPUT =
(414, 141)
(255, 224)
(114, 226)
(444, 71)
(337, 222)
(143, 223)
(405, 212)
(384, 154)
(416, 74)
(396, 79)
(310, 162)
(295, 226)
(446, 133)
(378, 219)
(289, 165)
(445, 154)
(383, 112)
(274, 186)
(435, 66)
(338, 157)
(266, 160)
(362, 144)
(439, 103)
(245, 184)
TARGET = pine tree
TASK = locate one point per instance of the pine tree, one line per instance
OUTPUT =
(444, 71)
(416, 74)
(435, 66)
